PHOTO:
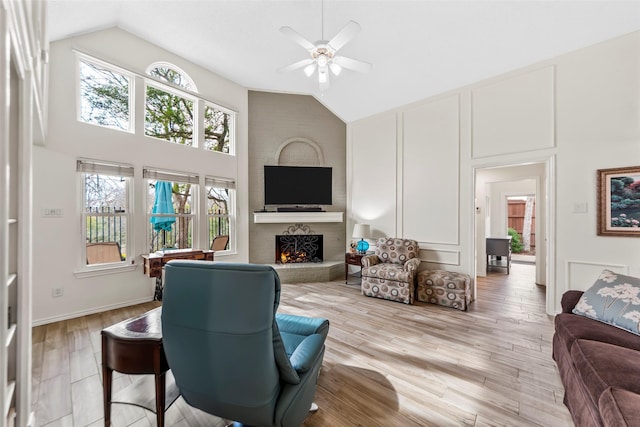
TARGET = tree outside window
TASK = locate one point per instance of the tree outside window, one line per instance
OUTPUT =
(217, 129)
(169, 116)
(104, 96)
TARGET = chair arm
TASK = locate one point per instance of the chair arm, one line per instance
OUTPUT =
(569, 300)
(300, 325)
(369, 260)
(307, 352)
(412, 265)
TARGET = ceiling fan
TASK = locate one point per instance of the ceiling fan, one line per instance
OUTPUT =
(323, 54)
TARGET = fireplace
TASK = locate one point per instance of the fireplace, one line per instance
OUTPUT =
(294, 247)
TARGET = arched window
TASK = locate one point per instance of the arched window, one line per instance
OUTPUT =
(171, 74)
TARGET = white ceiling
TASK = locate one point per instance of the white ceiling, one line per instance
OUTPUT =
(417, 48)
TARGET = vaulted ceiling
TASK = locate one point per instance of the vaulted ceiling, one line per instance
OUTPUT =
(417, 48)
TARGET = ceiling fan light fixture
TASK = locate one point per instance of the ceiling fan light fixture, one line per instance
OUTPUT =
(335, 69)
(322, 60)
(309, 69)
(322, 75)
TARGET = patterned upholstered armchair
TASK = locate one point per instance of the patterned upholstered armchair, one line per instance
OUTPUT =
(391, 272)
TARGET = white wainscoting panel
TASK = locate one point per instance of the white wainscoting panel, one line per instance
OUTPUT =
(373, 162)
(430, 173)
(514, 115)
(440, 256)
(582, 274)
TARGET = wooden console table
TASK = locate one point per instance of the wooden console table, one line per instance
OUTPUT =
(154, 262)
(134, 346)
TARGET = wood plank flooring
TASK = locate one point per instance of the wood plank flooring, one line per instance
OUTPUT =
(386, 363)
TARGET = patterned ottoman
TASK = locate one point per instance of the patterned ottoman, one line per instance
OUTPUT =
(444, 288)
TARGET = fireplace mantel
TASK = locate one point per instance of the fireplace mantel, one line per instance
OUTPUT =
(296, 217)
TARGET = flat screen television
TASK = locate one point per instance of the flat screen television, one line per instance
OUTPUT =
(297, 185)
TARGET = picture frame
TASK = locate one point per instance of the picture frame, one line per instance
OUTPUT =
(619, 201)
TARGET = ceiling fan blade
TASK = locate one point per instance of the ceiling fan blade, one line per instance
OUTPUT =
(296, 37)
(352, 64)
(344, 35)
(296, 65)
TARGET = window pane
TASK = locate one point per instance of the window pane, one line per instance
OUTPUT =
(168, 117)
(217, 126)
(170, 215)
(218, 200)
(104, 97)
(105, 214)
(172, 76)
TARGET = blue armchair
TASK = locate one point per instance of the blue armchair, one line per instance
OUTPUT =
(230, 353)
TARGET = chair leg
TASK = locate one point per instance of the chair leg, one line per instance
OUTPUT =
(314, 407)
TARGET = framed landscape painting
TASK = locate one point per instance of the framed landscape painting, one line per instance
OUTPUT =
(619, 201)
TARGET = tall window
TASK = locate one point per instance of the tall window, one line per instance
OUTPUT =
(218, 129)
(171, 200)
(106, 215)
(105, 96)
(220, 200)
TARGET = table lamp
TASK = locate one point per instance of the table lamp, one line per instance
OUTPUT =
(361, 231)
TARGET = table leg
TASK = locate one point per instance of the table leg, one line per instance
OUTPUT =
(346, 273)
(157, 296)
(107, 375)
(160, 398)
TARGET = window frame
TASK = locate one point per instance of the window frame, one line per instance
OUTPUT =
(230, 184)
(126, 171)
(232, 127)
(81, 57)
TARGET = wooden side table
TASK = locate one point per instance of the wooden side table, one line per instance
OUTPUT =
(352, 258)
(134, 346)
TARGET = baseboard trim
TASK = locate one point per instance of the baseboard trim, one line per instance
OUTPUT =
(81, 313)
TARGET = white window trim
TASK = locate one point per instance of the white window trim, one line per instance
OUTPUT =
(165, 64)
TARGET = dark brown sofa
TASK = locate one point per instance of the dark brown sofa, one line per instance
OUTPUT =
(599, 366)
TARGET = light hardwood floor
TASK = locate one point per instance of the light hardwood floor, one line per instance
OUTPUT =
(386, 363)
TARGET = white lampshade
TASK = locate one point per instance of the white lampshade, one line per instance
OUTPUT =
(361, 231)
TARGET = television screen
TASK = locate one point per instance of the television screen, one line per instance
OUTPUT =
(297, 185)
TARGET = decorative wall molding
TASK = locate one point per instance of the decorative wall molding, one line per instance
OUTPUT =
(441, 256)
(313, 144)
(580, 275)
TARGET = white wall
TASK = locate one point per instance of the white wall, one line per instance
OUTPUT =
(575, 113)
(58, 244)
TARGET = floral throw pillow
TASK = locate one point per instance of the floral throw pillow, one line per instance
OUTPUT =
(613, 299)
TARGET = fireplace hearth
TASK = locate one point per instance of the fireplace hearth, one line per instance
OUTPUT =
(294, 247)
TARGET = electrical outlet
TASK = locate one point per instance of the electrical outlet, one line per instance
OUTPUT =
(57, 292)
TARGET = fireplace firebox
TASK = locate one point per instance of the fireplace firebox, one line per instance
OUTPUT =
(297, 248)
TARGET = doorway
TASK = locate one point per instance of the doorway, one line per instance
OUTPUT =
(494, 185)
(521, 226)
